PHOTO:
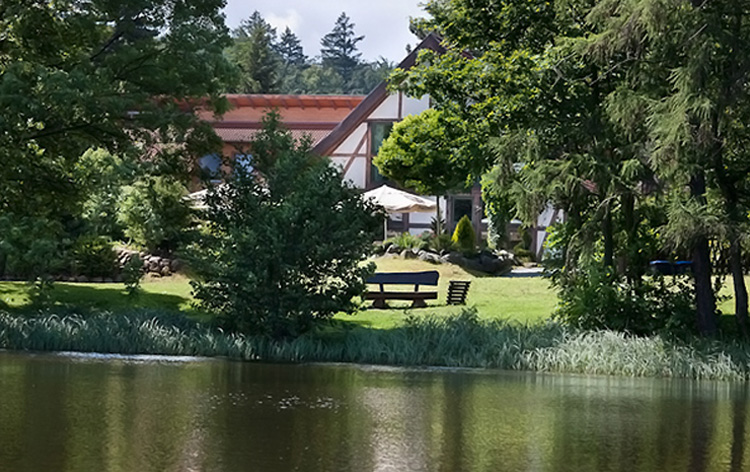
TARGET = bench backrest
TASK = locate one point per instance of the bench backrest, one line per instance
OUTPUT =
(429, 277)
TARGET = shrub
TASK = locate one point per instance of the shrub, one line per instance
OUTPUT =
(94, 256)
(464, 237)
(442, 242)
(598, 299)
(154, 213)
(407, 241)
(132, 275)
(282, 244)
(31, 247)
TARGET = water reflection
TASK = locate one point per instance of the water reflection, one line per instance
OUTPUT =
(150, 414)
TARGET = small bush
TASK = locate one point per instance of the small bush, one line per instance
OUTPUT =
(154, 213)
(598, 299)
(94, 256)
(407, 241)
(132, 275)
(523, 253)
(464, 237)
(441, 243)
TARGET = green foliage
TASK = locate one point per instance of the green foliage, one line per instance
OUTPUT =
(253, 51)
(429, 152)
(598, 300)
(132, 275)
(282, 245)
(103, 175)
(94, 256)
(464, 237)
(31, 247)
(442, 242)
(339, 48)
(460, 340)
(406, 241)
(79, 80)
(154, 213)
(267, 64)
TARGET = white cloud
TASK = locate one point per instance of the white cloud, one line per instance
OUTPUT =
(290, 18)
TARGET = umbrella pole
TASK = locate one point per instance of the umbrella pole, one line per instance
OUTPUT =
(385, 228)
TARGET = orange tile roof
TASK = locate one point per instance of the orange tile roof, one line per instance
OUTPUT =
(315, 115)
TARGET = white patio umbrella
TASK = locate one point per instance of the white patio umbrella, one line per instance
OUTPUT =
(398, 201)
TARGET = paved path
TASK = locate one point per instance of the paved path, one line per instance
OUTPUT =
(525, 272)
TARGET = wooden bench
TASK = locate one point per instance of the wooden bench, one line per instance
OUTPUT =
(416, 279)
(457, 291)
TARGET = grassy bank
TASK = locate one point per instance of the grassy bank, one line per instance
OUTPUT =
(462, 340)
(525, 300)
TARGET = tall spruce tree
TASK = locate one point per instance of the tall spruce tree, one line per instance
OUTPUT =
(290, 49)
(339, 49)
(253, 52)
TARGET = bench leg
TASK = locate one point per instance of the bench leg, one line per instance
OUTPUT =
(418, 303)
(379, 303)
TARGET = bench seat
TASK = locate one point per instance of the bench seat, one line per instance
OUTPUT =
(415, 279)
(417, 298)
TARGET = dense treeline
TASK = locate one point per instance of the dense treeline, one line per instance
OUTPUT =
(269, 62)
(628, 115)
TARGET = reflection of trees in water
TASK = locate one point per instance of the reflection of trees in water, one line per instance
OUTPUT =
(739, 422)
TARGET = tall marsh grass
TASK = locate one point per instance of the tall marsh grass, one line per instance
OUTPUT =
(457, 341)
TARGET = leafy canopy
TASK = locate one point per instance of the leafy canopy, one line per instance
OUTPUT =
(282, 244)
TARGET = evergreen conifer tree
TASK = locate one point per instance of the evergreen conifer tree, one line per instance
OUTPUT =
(290, 49)
(339, 49)
(254, 54)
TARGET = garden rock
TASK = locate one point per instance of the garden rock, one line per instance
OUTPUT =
(430, 257)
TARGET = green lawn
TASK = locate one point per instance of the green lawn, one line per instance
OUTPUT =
(528, 300)
(171, 293)
(523, 299)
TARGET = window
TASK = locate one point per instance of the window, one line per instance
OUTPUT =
(379, 131)
(461, 207)
(210, 165)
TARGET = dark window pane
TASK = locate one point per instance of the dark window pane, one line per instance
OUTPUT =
(461, 207)
(379, 131)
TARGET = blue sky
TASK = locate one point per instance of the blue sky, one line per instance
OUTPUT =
(384, 23)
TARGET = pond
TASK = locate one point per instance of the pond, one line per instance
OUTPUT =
(108, 413)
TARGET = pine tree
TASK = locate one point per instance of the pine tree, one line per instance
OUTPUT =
(339, 49)
(290, 49)
(254, 54)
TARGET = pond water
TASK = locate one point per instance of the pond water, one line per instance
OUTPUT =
(82, 413)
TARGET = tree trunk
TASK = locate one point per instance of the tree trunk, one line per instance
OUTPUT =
(704, 294)
(740, 291)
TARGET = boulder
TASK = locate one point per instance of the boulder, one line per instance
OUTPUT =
(408, 254)
(165, 271)
(392, 249)
(97, 280)
(175, 265)
(152, 266)
(454, 257)
(430, 257)
(82, 279)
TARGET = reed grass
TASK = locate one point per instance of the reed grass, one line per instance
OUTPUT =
(462, 340)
